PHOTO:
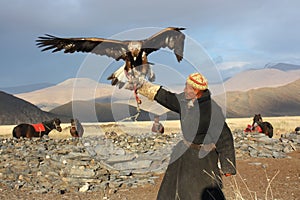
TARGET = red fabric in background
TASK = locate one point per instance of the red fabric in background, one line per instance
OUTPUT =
(39, 127)
(256, 129)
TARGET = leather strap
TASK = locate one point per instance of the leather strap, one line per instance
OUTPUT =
(205, 147)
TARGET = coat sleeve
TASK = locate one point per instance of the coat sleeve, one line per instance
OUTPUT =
(168, 99)
(225, 149)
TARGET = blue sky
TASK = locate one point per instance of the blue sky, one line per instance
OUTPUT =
(236, 34)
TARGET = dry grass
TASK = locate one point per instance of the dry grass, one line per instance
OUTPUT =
(281, 125)
(240, 190)
(237, 183)
(100, 128)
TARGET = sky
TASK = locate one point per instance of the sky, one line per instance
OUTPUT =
(235, 34)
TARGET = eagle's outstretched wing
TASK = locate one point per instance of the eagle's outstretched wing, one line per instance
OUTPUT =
(171, 37)
(111, 48)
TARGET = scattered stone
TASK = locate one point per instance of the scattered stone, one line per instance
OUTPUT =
(255, 163)
(121, 158)
(90, 163)
(276, 154)
(137, 164)
(112, 161)
(258, 145)
(84, 188)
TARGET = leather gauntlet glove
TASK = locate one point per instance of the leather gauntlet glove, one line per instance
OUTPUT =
(148, 90)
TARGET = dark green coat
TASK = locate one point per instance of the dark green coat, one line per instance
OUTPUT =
(194, 174)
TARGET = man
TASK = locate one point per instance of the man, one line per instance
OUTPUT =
(193, 171)
(157, 127)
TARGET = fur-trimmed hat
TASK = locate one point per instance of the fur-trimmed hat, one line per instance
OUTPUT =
(197, 81)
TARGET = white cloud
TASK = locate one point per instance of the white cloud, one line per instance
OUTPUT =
(230, 65)
(242, 33)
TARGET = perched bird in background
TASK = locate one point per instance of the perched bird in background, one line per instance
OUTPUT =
(133, 52)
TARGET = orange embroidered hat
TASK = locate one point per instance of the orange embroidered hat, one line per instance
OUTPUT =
(197, 81)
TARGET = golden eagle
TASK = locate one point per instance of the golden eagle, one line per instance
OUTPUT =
(133, 52)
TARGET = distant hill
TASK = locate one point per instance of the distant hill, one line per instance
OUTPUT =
(267, 77)
(242, 90)
(280, 101)
(74, 89)
(84, 89)
(283, 66)
(26, 88)
(14, 111)
(90, 111)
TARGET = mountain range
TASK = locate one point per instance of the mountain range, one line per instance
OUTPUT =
(278, 101)
(271, 91)
(25, 88)
(74, 89)
(15, 110)
(90, 111)
(267, 77)
(282, 66)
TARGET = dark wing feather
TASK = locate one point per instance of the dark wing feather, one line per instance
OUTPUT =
(111, 48)
(170, 37)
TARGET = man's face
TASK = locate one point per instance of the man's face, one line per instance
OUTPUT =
(189, 92)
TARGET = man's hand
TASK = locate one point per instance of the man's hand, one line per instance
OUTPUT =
(141, 86)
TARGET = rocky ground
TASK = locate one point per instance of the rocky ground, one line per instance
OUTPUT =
(131, 166)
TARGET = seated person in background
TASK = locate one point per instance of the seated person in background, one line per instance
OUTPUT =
(157, 127)
(76, 129)
(297, 129)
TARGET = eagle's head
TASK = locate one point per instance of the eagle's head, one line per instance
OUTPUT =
(135, 48)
